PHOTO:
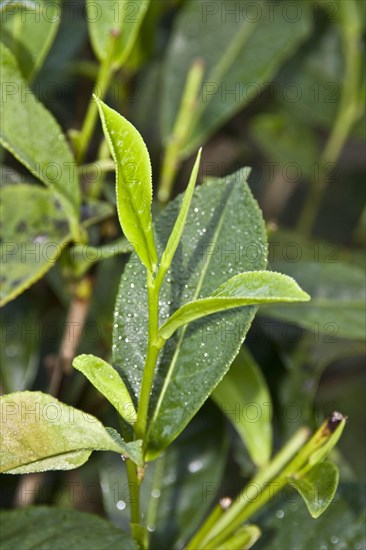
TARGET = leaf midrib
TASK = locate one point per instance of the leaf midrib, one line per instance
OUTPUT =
(130, 195)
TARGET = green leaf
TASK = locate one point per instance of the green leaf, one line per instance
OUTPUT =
(40, 433)
(108, 382)
(337, 298)
(42, 527)
(133, 183)
(34, 230)
(255, 287)
(242, 46)
(177, 231)
(243, 539)
(244, 397)
(32, 135)
(318, 487)
(28, 30)
(185, 479)
(224, 235)
(123, 17)
(343, 526)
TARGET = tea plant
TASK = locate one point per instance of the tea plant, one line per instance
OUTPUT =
(193, 271)
(158, 395)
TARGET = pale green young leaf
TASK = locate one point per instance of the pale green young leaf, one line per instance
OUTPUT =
(244, 397)
(123, 19)
(318, 487)
(40, 433)
(177, 231)
(343, 524)
(44, 527)
(108, 382)
(32, 135)
(28, 29)
(133, 182)
(251, 288)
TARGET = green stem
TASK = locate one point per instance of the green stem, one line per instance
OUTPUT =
(182, 127)
(226, 521)
(153, 288)
(133, 481)
(347, 113)
(151, 357)
(100, 89)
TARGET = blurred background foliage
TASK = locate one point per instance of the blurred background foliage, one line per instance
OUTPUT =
(279, 87)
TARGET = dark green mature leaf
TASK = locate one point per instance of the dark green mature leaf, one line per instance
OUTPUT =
(242, 45)
(286, 142)
(287, 524)
(124, 17)
(317, 73)
(32, 135)
(40, 433)
(106, 380)
(133, 182)
(244, 397)
(41, 527)
(28, 30)
(318, 487)
(34, 231)
(185, 479)
(338, 297)
(224, 236)
(255, 287)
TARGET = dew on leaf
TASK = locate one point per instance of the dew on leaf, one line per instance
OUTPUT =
(195, 466)
(120, 505)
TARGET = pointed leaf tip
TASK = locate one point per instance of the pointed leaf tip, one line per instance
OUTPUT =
(133, 182)
(318, 487)
(108, 382)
